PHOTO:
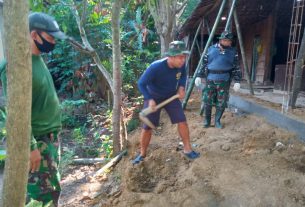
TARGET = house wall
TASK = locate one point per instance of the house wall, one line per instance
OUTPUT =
(264, 29)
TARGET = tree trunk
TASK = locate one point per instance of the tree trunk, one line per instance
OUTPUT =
(165, 40)
(19, 90)
(117, 82)
(298, 70)
(164, 14)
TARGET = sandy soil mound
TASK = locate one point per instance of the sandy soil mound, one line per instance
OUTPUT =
(248, 163)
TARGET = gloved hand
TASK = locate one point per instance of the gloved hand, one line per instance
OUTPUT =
(198, 81)
(236, 87)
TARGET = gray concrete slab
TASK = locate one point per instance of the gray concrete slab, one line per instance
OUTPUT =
(272, 116)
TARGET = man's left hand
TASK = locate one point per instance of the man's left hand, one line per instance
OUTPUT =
(181, 92)
(35, 158)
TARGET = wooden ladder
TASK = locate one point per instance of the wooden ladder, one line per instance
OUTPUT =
(293, 50)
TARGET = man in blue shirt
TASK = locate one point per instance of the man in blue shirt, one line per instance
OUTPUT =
(220, 65)
(161, 80)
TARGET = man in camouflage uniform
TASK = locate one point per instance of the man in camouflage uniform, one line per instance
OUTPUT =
(43, 183)
(220, 65)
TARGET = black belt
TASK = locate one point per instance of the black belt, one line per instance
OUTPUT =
(219, 71)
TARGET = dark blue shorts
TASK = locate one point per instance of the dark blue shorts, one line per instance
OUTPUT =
(173, 109)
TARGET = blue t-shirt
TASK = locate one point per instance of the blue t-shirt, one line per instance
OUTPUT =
(159, 81)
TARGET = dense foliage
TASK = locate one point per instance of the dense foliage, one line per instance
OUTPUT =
(81, 87)
(139, 44)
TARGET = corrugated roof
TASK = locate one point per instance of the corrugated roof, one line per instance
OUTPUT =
(249, 12)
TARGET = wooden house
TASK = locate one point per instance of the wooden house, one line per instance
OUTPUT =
(265, 27)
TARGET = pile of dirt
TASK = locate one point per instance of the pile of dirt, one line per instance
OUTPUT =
(248, 163)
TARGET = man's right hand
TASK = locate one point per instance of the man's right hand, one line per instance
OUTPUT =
(35, 159)
(198, 82)
(152, 104)
(236, 87)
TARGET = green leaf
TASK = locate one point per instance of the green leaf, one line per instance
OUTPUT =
(107, 41)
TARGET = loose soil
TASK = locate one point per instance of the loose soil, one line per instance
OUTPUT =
(247, 163)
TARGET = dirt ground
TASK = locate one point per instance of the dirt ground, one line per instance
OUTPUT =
(248, 163)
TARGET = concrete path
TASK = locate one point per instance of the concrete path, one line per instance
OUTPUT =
(272, 116)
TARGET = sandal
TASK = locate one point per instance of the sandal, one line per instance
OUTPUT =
(138, 159)
(192, 155)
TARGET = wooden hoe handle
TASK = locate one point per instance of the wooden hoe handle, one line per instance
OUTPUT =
(149, 110)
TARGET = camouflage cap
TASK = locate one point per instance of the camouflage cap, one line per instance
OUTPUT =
(226, 35)
(177, 48)
(44, 22)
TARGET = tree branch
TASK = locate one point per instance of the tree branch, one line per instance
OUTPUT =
(79, 47)
(84, 13)
(87, 46)
(181, 7)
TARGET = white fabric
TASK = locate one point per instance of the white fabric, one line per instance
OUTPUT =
(236, 87)
(198, 81)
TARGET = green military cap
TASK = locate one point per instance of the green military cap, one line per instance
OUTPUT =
(226, 35)
(46, 23)
(177, 48)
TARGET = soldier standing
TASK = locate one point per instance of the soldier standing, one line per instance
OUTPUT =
(220, 65)
(43, 182)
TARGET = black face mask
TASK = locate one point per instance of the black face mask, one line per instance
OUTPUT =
(46, 46)
(224, 47)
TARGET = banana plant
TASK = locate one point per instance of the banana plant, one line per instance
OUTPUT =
(139, 31)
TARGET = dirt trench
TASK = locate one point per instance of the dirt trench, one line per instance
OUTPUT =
(248, 163)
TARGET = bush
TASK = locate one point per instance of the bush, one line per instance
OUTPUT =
(69, 117)
(132, 125)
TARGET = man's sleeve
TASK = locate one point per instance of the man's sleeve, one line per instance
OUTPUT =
(203, 70)
(3, 63)
(236, 73)
(144, 81)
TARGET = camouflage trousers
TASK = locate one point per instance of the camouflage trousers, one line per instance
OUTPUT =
(216, 93)
(44, 185)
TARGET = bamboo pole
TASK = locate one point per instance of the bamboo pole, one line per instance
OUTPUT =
(193, 44)
(202, 34)
(88, 161)
(110, 164)
(189, 56)
(191, 86)
(228, 24)
(242, 51)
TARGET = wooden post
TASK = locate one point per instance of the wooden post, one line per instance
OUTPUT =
(298, 71)
(191, 86)
(198, 46)
(242, 51)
